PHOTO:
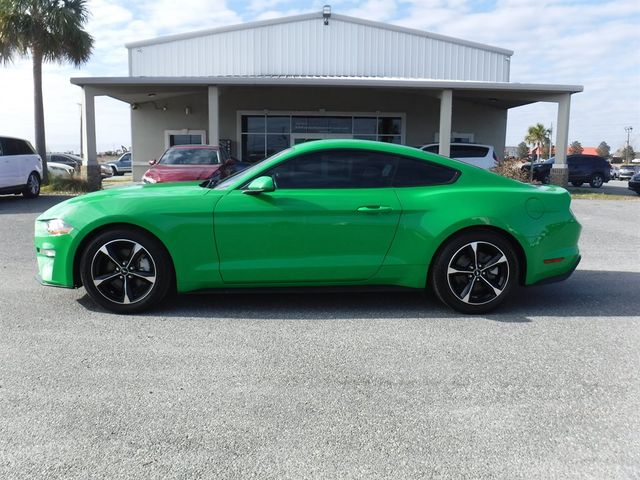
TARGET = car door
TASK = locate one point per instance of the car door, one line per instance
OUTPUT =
(331, 218)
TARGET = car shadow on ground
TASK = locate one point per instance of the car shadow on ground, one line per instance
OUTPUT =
(588, 293)
(17, 204)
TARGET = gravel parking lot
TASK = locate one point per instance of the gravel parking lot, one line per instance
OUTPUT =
(325, 386)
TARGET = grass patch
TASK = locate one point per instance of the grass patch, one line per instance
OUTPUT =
(591, 195)
(73, 186)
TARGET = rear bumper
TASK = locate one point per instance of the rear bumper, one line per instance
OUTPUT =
(558, 278)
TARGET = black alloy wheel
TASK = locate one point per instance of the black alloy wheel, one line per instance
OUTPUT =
(475, 272)
(126, 271)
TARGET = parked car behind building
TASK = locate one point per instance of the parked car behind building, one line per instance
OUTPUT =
(590, 169)
(628, 171)
(122, 165)
(69, 159)
(20, 167)
(482, 156)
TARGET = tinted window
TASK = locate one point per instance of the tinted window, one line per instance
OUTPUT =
(358, 169)
(126, 159)
(336, 169)
(13, 146)
(415, 173)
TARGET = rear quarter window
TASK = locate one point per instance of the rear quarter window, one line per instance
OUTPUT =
(420, 173)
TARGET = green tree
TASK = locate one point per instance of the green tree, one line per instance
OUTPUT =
(603, 150)
(627, 153)
(538, 136)
(575, 147)
(48, 31)
(522, 151)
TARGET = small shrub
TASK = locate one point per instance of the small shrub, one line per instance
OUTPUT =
(511, 168)
(67, 185)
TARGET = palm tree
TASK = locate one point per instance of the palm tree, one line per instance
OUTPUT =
(49, 31)
(537, 135)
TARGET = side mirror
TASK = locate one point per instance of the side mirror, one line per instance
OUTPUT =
(153, 161)
(260, 185)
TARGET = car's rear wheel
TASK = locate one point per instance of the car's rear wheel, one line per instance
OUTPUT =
(475, 272)
(32, 188)
(596, 180)
(126, 271)
(577, 184)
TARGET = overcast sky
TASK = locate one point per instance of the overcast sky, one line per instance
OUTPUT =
(591, 43)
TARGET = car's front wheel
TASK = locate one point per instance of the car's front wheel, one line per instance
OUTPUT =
(32, 188)
(596, 181)
(114, 170)
(126, 271)
(474, 272)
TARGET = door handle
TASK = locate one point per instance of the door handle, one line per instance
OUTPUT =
(374, 209)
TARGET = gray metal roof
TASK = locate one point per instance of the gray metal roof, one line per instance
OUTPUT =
(310, 16)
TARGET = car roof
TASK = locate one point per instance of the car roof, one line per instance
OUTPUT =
(209, 147)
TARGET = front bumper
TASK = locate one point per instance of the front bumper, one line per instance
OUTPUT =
(635, 186)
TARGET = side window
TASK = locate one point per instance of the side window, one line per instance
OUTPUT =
(126, 159)
(416, 173)
(1, 146)
(336, 169)
(57, 158)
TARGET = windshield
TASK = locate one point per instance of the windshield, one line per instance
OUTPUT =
(248, 171)
(185, 156)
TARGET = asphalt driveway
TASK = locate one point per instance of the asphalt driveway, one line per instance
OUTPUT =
(325, 386)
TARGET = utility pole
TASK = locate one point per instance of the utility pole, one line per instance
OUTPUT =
(628, 129)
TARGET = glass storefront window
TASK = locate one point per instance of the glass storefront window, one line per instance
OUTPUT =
(265, 135)
(277, 143)
(365, 125)
(278, 124)
(389, 125)
(253, 123)
(253, 147)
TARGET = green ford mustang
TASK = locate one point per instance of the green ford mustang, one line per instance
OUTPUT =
(338, 213)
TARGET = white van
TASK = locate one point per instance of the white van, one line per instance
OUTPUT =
(20, 168)
(482, 156)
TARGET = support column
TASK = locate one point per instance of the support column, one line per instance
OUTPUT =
(446, 108)
(214, 116)
(560, 171)
(89, 153)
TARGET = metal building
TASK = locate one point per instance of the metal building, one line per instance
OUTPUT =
(260, 87)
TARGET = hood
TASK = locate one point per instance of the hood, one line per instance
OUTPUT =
(180, 173)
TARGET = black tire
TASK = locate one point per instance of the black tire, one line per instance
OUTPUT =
(546, 180)
(470, 287)
(32, 188)
(577, 184)
(596, 180)
(114, 170)
(126, 271)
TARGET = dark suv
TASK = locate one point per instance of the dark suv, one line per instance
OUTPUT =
(590, 169)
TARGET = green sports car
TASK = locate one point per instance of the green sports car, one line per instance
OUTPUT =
(331, 213)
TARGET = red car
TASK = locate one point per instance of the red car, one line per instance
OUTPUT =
(186, 162)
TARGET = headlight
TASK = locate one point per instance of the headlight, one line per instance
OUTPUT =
(57, 226)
